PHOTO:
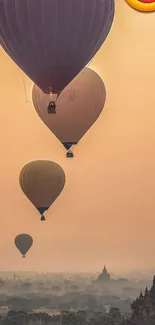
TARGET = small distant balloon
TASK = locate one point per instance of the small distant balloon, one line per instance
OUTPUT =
(76, 110)
(23, 242)
(42, 181)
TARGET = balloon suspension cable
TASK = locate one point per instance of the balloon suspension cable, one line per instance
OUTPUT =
(23, 256)
(25, 92)
(42, 218)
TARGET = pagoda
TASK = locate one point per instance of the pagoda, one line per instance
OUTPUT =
(104, 276)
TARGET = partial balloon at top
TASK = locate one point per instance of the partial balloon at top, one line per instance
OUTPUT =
(53, 40)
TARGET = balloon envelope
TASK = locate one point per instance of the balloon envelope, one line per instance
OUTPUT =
(42, 181)
(53, 40)
(78, 107)
(23, 242)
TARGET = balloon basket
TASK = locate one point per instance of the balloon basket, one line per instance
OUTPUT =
(51, 108)
(69, 154)
(42, 218)
(23, 256)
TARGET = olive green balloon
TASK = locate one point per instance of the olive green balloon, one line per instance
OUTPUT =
(42, 181)
(23, 243)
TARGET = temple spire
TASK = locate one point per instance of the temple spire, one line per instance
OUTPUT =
(105, 269)
(146, 291)
(141, 295)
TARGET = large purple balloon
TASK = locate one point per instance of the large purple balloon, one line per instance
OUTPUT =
(53, 40)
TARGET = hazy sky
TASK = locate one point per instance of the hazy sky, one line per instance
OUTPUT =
(106, 213)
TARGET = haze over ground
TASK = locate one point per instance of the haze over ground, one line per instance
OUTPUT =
(106, 213)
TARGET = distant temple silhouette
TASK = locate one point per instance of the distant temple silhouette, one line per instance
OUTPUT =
(143, 308)
(104, 276)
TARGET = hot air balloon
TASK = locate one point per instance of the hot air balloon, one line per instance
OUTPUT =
(42, 181)
(78, 107)
(53, 40)
(23, 242)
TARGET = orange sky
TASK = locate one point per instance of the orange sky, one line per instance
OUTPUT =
(106, 213)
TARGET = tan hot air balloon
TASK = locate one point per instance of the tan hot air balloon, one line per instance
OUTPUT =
(42, 181)
(76, 109)
(23, 242)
